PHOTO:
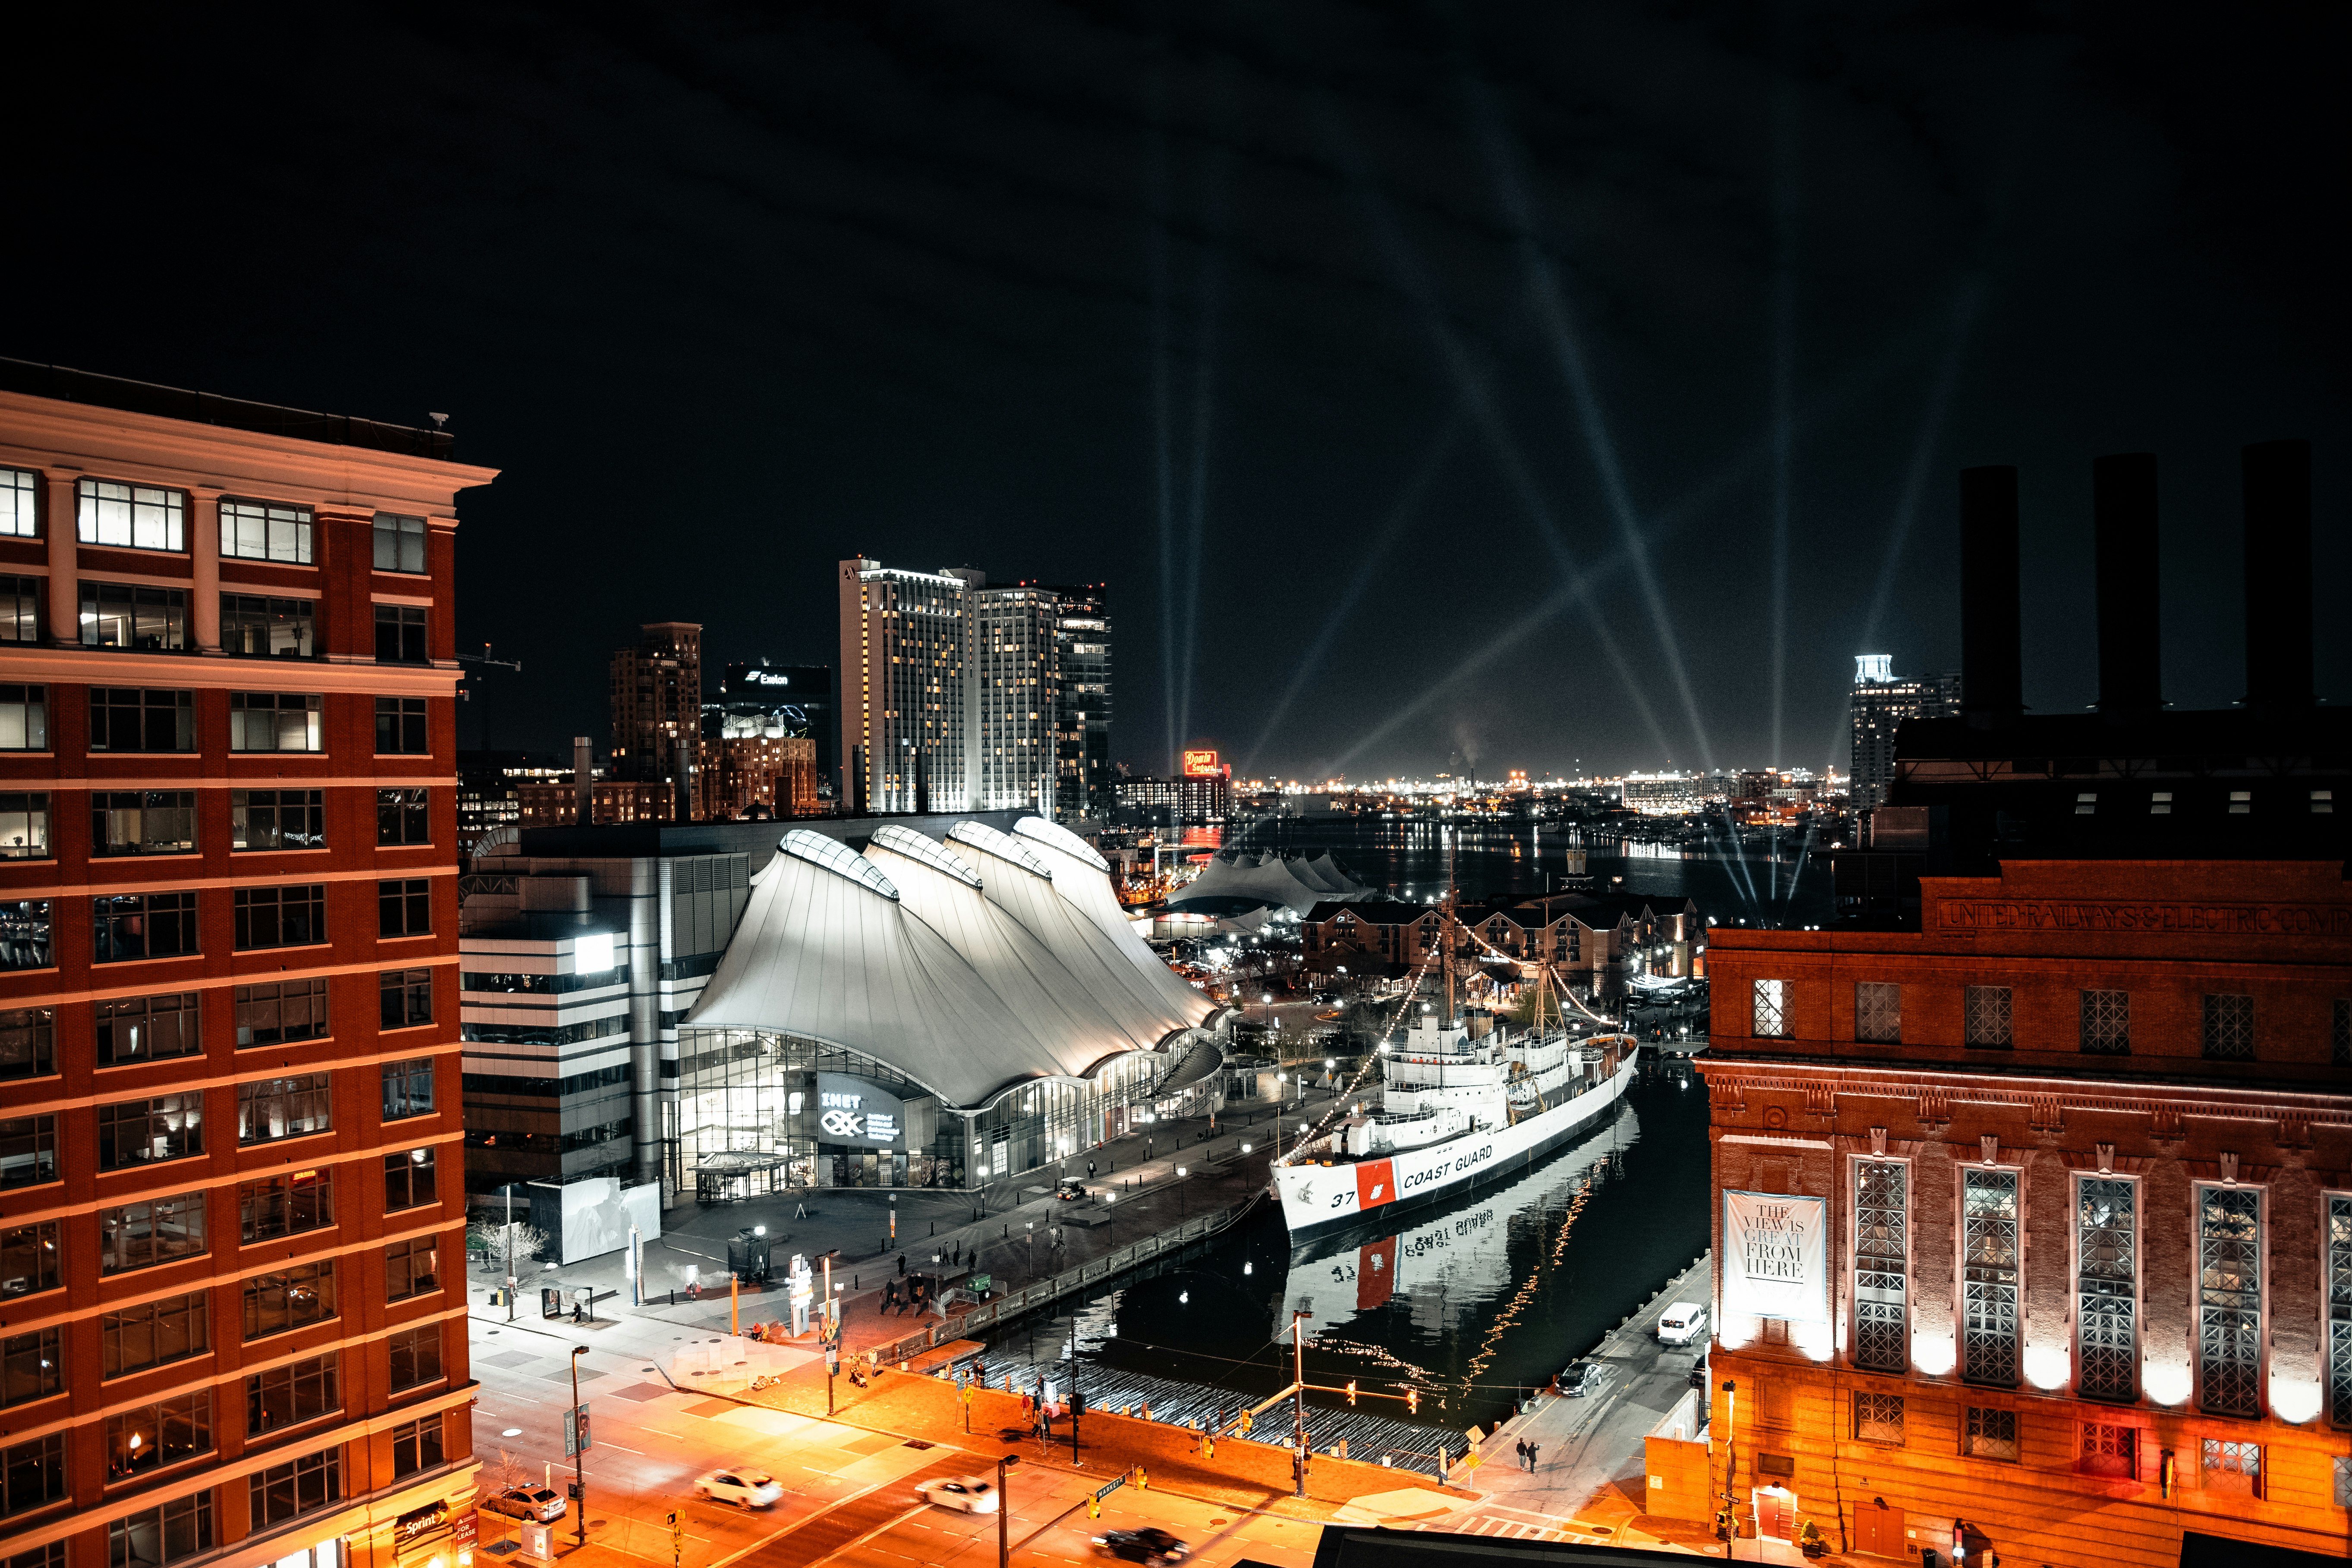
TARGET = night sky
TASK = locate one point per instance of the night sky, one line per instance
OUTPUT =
(1516, 386)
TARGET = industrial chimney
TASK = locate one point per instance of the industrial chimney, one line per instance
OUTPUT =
(583, 763)
(1992, 687)
(2131, 644)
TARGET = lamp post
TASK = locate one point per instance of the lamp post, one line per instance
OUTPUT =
(1298, 1400)
(1180, 1215)
(1004, 1513)
(511, 1261)
(579, 1473)
(829, 1331)
(1730, 1458)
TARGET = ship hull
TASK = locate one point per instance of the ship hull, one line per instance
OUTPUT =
(1317, 1200)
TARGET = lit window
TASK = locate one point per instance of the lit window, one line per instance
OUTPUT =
(2107, 1302)
(1989, 1213)
(1772, 1009)
(265, 531)
(20, 493)
(2229, 1300)
(399, 544)
(132, 517)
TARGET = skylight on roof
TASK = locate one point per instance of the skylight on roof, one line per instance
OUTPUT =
(921, 846)
(1062, 838)
(1003, 846)
(837, 857)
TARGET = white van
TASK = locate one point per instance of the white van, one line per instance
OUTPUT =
(1681, 1324)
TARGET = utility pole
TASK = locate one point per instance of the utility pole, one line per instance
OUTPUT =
(1076, 1402)
(1298, 1400)
(579, 1451)
(1004, 1513)
(510, 1258)
(829, 1334)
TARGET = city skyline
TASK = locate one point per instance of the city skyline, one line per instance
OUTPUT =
(1319, 334)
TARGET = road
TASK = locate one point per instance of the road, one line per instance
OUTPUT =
(848, 1492)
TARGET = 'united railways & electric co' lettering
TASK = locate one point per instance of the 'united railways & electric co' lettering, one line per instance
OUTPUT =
(2228, 919)
(1773, 1247)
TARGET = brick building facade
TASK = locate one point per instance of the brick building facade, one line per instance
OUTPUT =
(229, 1139)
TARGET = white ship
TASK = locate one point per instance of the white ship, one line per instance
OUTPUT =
(1448, 1264)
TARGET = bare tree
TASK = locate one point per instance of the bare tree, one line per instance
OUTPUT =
(493, 1237)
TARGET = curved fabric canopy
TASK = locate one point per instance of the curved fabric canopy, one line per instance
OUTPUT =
(967, 969)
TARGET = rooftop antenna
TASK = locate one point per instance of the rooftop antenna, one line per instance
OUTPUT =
(439, 420)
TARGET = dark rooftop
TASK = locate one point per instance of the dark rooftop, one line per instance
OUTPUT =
(68, 385)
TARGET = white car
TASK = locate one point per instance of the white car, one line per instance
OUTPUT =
(544, 1504)
(1681, 1324)
(973, 1494)
(744, 1488)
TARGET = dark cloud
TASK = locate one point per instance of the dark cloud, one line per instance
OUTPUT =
(732, 291)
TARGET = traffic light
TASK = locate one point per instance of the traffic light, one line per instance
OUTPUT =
(1142, 1481)
(1352, 1391)
(1094, 1506)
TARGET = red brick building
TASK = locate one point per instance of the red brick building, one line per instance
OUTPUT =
(2033, 1177)
(231, 1325)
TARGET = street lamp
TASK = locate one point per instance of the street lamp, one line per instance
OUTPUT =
(1004, 1513)
(1181, 1173)
(579, 1446)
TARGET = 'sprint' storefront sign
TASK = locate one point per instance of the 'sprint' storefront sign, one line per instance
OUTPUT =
(1775, 1256)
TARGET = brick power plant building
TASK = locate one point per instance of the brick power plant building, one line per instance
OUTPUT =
(232, 1318)
(2033, 1175)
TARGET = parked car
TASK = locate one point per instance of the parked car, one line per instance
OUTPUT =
(1681, 1324)
(968, 1494)
(1069, 1189)
(744, 1488)
(544, 1504)
(1581, 1378)
(1152, 1544)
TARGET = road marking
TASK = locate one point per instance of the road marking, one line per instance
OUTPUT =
(640, 1453)
(885, 1527)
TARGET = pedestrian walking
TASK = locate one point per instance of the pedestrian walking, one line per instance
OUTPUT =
(1090, 1170)
(1521, 1448)
(902, 1265)
(1532, 1449)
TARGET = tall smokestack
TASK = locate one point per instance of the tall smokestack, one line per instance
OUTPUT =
(583, 763)
(2131, 643)
(1991, 687)
(2278, 577)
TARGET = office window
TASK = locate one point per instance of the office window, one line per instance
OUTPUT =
(143, 925)
(2107, 1023)
(281, 917)
(1879, 1013)
(288, 1203)
(2339, 1309)
(2232, 1467)
(2230, 1301)
(400, 634)
(24, 825)
(20, 504)
(1988, 1211)
(149, 1131)
(273, 1108)
(400, 727)
(278, 819)
(153, 1333)
(402, 816)
(291, 1395)
(1990, 1434)
(415, 1356)
(1882, 1265)
(28, 1149)
(405, 908)
(24, 717)
(129, 517)
(142, 821)
(151, 1231)
(148, 1028)
(265, 531)
(131, 615)
(2106, 1243)
(255, 625)
(295, 1488)
(33, 1474)
(399, 544)
(28, 1041)
(280, 1012)
(407, 1180)
(20, 604)
(2230, 1029)
(31, 1367)
(411, 1268)
(160, 1536)
(416, 1446)
(275, 721)
(30, 1259)
(408, 1089)
(129, 719)
(1878, 1417)
(407, 997)
(1771, 1008)
(163, 1433)
(294, 1297)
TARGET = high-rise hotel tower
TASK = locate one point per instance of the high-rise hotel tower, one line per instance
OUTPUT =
(232, 1319)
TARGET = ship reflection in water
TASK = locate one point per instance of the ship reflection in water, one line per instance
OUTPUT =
(1466, 1305)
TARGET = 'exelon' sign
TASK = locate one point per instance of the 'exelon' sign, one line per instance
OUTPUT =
(858, 1111)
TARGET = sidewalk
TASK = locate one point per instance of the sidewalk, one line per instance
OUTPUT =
(1016, 1232)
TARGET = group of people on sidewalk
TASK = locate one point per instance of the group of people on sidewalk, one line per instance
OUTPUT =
(1528, 1452)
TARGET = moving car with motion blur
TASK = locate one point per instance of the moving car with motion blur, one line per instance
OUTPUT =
(744, 1488)
(967, 1494)
(1152, 1544)
(544, 1504)
(1069, 1189)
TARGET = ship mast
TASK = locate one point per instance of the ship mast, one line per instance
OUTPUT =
(1445, 930)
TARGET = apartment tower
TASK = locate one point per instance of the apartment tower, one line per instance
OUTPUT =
(1882, 700)
(232, 1321)
(656, 690)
